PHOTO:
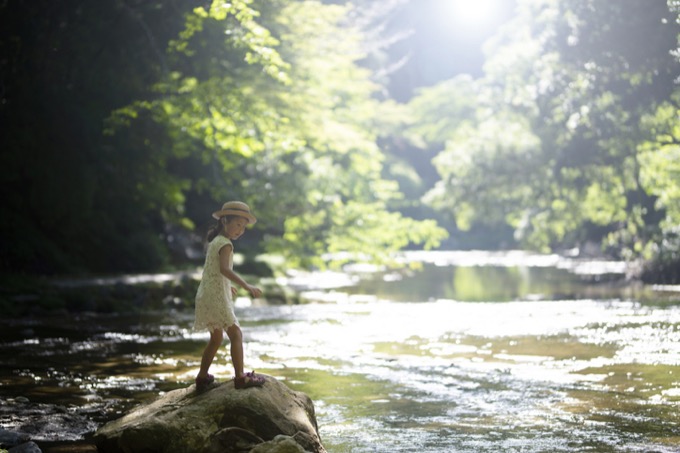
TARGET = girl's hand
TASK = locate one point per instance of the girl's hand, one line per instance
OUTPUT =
(234, 292)
(254, 291)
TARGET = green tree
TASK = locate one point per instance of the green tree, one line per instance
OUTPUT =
(345, 207)
(554, 145)
(69, 202)
(199, 102)
(266, 102)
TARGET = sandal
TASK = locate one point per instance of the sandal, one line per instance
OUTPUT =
(203, 383)
(249, 380)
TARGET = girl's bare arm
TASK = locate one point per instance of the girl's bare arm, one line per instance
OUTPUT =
(225, 269)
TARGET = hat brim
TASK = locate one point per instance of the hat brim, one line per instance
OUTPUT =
(237, 212)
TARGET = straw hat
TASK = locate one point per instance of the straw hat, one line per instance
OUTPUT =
(235, 208)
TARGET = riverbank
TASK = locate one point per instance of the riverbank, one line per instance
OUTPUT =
(30, 295)
(22, 295)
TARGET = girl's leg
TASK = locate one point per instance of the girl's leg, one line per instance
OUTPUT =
(216, 337)
(242, 380)
(236, 339)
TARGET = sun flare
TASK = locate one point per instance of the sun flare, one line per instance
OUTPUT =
(468, 13)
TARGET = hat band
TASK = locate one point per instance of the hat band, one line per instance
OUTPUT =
(237, 209)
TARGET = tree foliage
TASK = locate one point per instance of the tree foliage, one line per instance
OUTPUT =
(70, 200)
(572, 131)
(125, 123)
(175, 107)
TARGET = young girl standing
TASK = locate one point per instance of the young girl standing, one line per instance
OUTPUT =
(215, 296)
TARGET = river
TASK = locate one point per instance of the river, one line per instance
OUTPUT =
(466, 352)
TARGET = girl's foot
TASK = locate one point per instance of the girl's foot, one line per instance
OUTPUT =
(249, 380)
(203, 382)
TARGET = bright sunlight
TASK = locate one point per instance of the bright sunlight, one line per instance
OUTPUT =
(471, 14)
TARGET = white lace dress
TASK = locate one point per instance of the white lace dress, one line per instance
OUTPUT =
(214, 304)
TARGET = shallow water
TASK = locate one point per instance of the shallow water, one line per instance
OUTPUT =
(475, 352)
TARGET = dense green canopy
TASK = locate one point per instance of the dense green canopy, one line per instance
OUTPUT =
(126, 122)
(572, 134)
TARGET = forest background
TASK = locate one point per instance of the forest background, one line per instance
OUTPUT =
(125, 123)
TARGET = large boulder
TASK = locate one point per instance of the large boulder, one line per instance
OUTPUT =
(220, 419)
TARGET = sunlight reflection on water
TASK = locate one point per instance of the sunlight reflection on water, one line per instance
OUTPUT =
(476, 352)
(513, 374)
(515, 258)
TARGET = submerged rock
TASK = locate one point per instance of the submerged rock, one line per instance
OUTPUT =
(220, 419)
(280, 444)
(12, 439)
(42, 422)
(28, 447)
(17, 442)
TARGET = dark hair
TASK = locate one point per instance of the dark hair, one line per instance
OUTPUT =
(217, 227)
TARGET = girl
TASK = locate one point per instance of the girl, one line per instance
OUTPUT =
(215, 296)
